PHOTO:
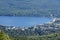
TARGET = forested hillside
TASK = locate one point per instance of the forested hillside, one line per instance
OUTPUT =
(30, 8)
(54, 36)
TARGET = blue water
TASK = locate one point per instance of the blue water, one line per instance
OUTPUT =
(23, 21)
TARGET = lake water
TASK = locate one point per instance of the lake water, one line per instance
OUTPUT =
(23, 21)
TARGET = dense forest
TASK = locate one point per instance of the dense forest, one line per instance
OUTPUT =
(54, 36)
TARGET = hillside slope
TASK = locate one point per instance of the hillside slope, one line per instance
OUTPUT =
(3, 36)
(54, 36)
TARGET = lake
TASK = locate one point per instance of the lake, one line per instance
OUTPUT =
(23, 21)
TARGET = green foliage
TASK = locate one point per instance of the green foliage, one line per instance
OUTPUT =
(3, 36)
(55, 36)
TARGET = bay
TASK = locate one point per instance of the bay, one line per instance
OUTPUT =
(23, 21)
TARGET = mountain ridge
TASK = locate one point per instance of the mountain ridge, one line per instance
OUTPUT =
(30, 8)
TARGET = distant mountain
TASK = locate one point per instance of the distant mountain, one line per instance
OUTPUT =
(30, 8)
